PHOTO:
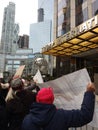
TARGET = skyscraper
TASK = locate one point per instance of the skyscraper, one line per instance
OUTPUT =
(48, 7)
(40, 15)
(8, 28)
(15, 38)
(23, 41)
(41, 32)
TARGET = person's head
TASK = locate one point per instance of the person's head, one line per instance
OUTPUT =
(17, 84)
(45, 95)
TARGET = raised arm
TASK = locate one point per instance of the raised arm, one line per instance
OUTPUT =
(77, 118)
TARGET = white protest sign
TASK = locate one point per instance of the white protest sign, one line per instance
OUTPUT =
(38, 77)
(69, 91)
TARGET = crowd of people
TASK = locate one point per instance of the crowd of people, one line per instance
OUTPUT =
(26, 106)
(16, 96)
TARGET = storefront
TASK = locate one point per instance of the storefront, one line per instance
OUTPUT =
(79, 47)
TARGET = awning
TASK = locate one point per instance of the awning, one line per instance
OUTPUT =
(80, 39)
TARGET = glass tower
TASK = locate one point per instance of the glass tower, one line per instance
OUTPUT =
(8, 28)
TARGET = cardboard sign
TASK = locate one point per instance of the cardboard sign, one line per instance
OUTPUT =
(19, 71)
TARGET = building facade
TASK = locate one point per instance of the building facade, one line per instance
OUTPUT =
(40, 14)
(71, 13)
(75, 36)
(15, 38)
(23, 41)
(8, 27)
(40, 33)
(21, 57)
(70, 16)
(9, 35)
(48, 8)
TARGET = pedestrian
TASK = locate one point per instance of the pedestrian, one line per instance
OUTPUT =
(44, 115)
(32, 87)
(3, 114)
(3, 88)
(18, 103)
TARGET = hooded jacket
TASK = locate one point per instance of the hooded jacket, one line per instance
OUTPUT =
(47, 117)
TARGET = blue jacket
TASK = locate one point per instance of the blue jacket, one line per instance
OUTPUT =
(47, 117)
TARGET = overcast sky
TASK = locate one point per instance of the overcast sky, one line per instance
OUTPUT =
(26, 13)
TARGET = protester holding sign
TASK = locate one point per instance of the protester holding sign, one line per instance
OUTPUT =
(18, 103)
(44, 114)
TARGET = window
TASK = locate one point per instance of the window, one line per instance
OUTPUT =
(16, 62)
(95, 8)
(85, 14)
(9, 62)
(15, 66)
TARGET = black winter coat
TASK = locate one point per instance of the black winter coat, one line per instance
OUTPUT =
(18, 107)
(3, 115)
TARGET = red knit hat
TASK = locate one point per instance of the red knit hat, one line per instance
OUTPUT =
(45, 95)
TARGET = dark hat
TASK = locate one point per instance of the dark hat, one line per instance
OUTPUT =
(45, 95)
(16, 84)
